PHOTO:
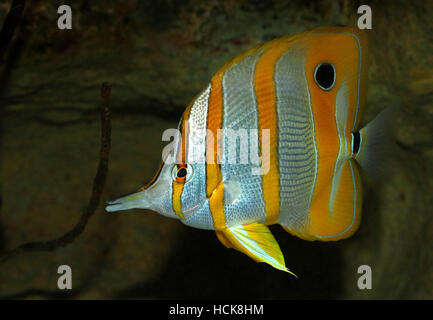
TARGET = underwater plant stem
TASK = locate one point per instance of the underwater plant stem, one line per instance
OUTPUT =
(98, 187)
(11, 22)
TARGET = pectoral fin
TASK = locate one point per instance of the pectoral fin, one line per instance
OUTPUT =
(257, 242)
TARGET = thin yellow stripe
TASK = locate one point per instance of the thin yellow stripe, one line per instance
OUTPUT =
(177, 194)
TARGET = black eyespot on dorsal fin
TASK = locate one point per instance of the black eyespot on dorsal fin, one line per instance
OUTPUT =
(325, 75)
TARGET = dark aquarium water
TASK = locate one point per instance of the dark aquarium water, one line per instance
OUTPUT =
(157, 56)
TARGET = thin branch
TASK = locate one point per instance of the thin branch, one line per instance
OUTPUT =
(98, 187)
(12, 20)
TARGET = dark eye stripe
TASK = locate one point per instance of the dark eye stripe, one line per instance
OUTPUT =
(153, 179)
(184, 131)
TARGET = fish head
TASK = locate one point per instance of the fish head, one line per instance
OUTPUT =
(155, 196)
(172, 193)
(178, 189)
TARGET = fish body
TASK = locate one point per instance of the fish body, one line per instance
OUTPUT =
(273, 139)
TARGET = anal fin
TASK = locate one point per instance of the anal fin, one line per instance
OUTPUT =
(257, 242)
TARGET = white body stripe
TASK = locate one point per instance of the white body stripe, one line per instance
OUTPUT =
(195, 150)
(240, 112)
(296, 145)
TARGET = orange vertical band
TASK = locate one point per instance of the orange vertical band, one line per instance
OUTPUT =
(267, 113)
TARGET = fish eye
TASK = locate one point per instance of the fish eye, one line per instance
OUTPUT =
(182, 173)
(325, 75)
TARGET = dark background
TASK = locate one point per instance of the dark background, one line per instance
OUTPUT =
(158, 55)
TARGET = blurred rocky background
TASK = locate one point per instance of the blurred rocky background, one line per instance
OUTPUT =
(158, 55)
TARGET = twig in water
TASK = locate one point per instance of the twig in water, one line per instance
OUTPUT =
(12, 20)
(98, 187)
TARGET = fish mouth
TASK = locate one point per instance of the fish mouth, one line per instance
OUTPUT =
(129, 201)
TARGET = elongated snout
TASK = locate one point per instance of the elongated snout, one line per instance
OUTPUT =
(136, 200)
(155, 197)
